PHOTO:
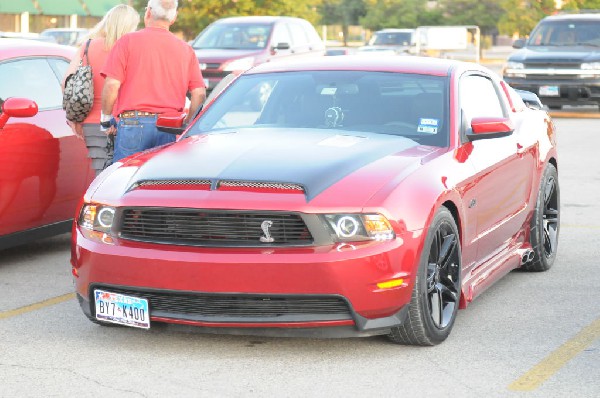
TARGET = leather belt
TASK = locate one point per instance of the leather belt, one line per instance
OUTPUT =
(129, 114)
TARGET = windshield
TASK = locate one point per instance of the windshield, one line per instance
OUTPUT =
(408, 105)
(566, 33)
(391, 38)
(233, 36)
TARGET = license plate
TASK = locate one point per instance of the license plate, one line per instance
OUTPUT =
(122, 309)
(549, 91)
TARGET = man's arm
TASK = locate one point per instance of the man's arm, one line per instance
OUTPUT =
(109, 94)
(197, 97)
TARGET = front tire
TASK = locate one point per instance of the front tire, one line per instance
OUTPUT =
(436, 293)
(545, 223)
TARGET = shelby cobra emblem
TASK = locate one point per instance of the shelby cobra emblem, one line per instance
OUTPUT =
(267, 238)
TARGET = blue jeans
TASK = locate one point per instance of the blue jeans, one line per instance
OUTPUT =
(136, 134)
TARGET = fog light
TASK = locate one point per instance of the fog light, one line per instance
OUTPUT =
(390, 284)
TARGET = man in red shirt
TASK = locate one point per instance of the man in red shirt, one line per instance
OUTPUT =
(148, 73)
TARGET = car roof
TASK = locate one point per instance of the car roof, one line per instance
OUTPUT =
(260, 19)
(392, 30)
(10, 48)
(403, 64)
(573, 17)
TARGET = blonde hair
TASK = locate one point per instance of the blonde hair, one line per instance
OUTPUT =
(118, 20)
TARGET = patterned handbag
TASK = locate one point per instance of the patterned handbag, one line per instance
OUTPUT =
(78, 96)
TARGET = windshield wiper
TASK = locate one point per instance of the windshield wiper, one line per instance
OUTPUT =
(587, 43)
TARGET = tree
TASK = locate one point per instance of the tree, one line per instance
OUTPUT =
(194, 15)
(405, 14)
(342, 12)
(581, 5)
(483, 13)
(522, 16)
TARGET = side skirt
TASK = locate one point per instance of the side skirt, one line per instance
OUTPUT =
(30, 235)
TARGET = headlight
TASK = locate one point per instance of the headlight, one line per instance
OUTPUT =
(595, 66)
(514, 69)
(357, 227)
(97, 218)
(515, 65)
(239, 64)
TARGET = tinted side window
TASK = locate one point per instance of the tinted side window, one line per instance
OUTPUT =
(33, 79)
(478, 98)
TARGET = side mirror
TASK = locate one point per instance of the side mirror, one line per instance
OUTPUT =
(281, 46)
(490, 127)
(519, 43)
(171, 124)
(17, 107)
(530, 99)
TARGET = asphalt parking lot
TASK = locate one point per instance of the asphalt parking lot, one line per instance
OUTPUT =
(530, 335)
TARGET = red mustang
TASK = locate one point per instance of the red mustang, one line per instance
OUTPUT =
(44, 167)
(337, 196)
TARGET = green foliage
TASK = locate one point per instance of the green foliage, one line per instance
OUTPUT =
(522, 16)
(404, 14)
(483, 13)
(570, 5)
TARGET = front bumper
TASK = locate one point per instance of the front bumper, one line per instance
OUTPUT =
(256, 290)
(572, 91)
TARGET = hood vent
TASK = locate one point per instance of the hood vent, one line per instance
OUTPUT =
(253, 186)
(172, 184)
(224, 185)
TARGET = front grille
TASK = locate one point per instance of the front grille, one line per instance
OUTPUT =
(223, 307)
(546, 64)
(197, 227)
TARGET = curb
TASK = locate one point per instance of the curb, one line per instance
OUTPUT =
(574, 115)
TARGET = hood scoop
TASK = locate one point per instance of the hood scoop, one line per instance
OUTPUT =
(219, 185)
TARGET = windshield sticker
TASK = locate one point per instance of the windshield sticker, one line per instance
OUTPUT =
(342, 141)
(328, 91)
(428, 126)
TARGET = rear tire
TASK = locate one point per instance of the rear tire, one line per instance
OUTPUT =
(436, 293)
(545, 224)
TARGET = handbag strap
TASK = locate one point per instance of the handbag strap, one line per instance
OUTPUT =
(85, 52)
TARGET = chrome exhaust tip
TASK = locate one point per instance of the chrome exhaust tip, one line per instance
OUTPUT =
(527, 257)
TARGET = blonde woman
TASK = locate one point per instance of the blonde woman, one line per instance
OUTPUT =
(118, 21)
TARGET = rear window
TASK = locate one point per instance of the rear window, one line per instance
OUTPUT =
(391, 38)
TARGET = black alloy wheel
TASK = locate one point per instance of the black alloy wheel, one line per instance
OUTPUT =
(442, 276)
(545, 224)
(436, 294)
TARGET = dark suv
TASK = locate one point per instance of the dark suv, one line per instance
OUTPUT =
(239, 43)
(560, 61)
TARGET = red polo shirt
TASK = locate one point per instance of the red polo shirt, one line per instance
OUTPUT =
(155, 68)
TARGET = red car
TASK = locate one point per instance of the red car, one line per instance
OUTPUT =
(339, 196)
(44, 169)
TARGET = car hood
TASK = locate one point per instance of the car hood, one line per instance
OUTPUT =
(210, 56)
(553, 54)
(316, 160)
